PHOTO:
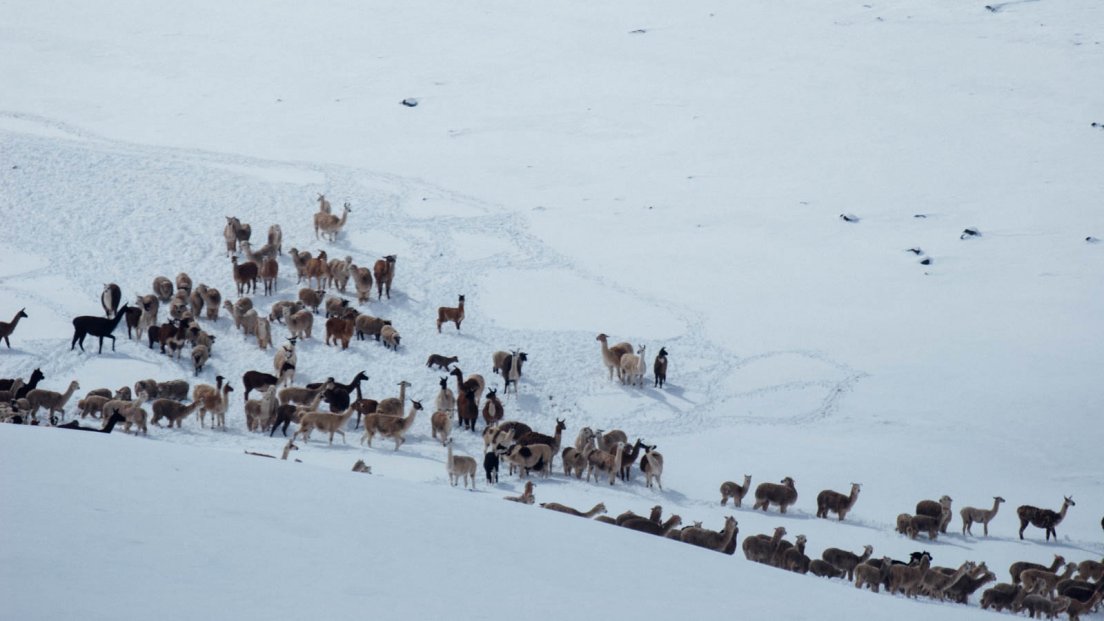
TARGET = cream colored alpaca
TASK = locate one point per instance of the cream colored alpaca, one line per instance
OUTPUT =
(460, 466)
(52, 401)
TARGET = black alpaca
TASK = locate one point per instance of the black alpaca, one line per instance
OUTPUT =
(338, 397)
(36, 377)
(96, 326)
(490, 465)
(111, 422)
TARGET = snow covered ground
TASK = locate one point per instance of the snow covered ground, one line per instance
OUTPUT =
(678, 187)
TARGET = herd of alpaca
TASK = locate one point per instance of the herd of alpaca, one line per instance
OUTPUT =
(604, 457)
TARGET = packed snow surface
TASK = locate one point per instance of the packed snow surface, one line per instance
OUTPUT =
(670, 174)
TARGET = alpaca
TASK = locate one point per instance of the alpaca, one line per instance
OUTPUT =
(711, 539)
(391, 426)
(602, 461)
(846, 561)
(555, 506)
(526, 498)
(782, 495)
(173, 411)
(245, 275)
(445, 400)
(108, 425)
(460, 466)
(552, 441)
(6, 328)
(652, 465)
(533, 457)
(448, 313)
(473, 382)
(874, 576)
(440, 426)
(611, 356)
(646, 525)
(659, 368)
(52, 401)
(270, 271)
(730, 489)
(392, 406)
(490, 466)
(110, 299)
(1043, 518)
(163, 289)
(1016, 569)
(829, 500)
(216, 404)
(323, 421)
(492, 409)
(971, 515)
(384, 271)
(96, 326)
(632, 368)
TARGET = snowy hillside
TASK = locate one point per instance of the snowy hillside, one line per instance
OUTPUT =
(673, 176)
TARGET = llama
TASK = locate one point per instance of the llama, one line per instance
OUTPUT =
(327, 225)
(460, 466)
(448, 313)
(552, 441)
(611, 356)
(96, 326)
(6, 328)
(659, 368)
(652, 466)
(782, 495)
(599, 461)
(1043, 518)
(445, 400)
(110, 299)
(829, 500)
(384, 271)
(982, 516)
(730, 489)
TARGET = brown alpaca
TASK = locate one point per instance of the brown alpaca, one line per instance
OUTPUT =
(339, 329)
(829, 500)
(270, 269)
(611, 355)
(245, 275)
(711, 539)
(526, 497)
(6, 328)
(448, 313)
(555, 506)
(384, 271)
(735, 491)
(1043, 518)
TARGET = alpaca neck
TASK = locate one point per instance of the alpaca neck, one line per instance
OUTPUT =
(1062, 513)
(996, 506)
(616, 462)
(730, 532)
(15, 321)
(115, 418)
(865, 554)
(68, 393)
(747, 483)
(593, 512)
(854, 495)
(409, 421)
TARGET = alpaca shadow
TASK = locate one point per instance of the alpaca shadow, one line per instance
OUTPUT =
(1063, 545)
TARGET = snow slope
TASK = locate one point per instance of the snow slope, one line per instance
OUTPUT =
(678, 187)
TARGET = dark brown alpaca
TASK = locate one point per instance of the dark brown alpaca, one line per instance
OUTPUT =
(1043, 518)
(449, 313)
